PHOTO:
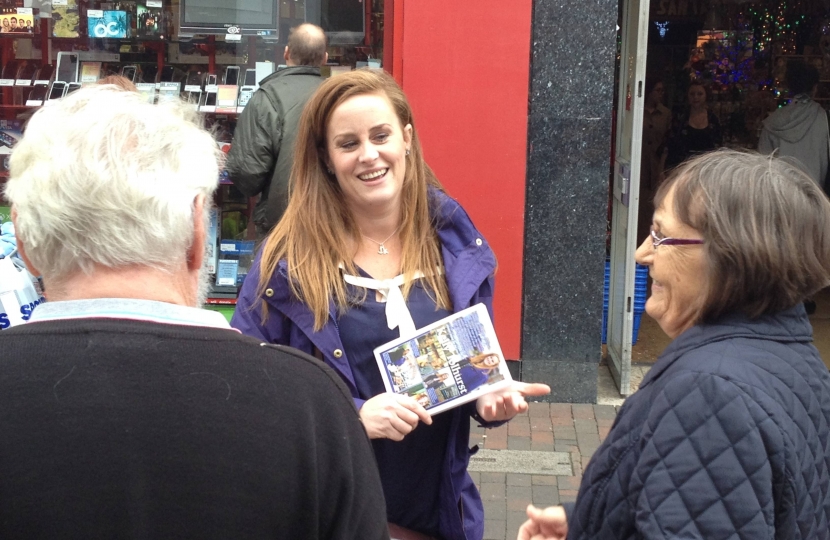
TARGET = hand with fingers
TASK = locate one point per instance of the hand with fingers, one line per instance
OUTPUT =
(550, 523)
(507, 403)
(392, 416)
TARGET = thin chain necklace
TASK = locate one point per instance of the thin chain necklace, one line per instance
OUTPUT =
(381, 248)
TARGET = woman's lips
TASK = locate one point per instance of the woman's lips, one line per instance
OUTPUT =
(374, 175)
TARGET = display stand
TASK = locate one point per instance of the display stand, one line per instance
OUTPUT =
(153, 56)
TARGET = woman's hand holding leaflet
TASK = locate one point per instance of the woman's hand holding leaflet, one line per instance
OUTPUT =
(392, 416)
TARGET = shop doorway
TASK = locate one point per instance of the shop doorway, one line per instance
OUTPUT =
(739, 50)
(626, 190)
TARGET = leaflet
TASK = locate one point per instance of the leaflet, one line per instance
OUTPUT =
(446, 364)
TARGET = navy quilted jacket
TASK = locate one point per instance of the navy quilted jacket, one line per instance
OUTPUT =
(727, 437)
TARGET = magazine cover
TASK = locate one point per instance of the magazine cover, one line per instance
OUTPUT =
(66, 19)
(446, 364)
(107, 24)
(149, 23)
(17, 20)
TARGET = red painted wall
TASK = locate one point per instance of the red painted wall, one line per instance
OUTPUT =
(465, 67)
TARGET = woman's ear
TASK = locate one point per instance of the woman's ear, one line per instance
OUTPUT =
(407, 135)
(325, 160)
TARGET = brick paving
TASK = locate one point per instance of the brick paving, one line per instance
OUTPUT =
(577, 429)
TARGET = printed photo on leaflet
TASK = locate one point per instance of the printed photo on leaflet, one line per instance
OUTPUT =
(447, 363)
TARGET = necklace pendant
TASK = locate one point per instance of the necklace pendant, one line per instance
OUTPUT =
(382, 250)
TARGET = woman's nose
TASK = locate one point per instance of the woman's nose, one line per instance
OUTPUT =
(368, 153)
(645, 252)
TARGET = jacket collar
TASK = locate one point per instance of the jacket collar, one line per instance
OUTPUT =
(468, 259)
(291, 70)
(788, 326)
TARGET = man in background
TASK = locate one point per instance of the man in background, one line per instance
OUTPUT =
(800, 130)
(262, 151)
(127, 411)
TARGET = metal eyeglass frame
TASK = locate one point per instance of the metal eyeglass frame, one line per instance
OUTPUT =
(657, 242)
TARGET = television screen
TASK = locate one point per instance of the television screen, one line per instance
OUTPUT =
(342, 20)
(216, 16)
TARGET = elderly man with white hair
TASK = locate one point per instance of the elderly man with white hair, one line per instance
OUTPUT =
(127, 412)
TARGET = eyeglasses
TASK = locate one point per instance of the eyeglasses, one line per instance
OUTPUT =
(656, 241)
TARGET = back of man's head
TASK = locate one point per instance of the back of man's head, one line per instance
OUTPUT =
(801, 77)
(102, 178)
(307, 45)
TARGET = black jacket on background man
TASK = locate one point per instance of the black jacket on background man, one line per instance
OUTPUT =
(262, 151)
(134, 429)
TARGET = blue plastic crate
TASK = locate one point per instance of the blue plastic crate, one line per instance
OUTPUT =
(640, 293)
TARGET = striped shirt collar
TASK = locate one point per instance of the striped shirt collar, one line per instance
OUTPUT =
(129, 309)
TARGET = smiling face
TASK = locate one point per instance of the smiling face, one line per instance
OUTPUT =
(367, 148)
(491, 360)
(697, 95)
(678, 272)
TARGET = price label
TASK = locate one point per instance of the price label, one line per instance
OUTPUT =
(23, 82)
(59, 3)
(6, 82)
(154, 3)
(33, 103)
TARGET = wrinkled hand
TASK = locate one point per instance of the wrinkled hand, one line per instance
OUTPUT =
(392, 416)
(507, 403)
(548, 524)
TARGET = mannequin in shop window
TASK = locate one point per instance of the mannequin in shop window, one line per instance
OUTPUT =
(694, 131)
(656, 125)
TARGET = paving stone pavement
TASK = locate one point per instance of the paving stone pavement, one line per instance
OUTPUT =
(565, 437)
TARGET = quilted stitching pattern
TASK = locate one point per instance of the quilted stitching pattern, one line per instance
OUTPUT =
(729, 437)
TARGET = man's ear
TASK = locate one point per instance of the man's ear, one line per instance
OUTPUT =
(286, 55)
(196, 253)
(21, 249)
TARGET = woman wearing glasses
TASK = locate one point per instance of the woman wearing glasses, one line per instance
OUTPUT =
(728, 435)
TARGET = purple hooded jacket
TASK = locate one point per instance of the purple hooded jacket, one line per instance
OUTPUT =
(469, 264)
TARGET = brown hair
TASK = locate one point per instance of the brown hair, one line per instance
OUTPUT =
(307, 45)
(120, 81)
(766, 227)
(314, 234)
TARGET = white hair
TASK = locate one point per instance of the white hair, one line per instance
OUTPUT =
(101, 177)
